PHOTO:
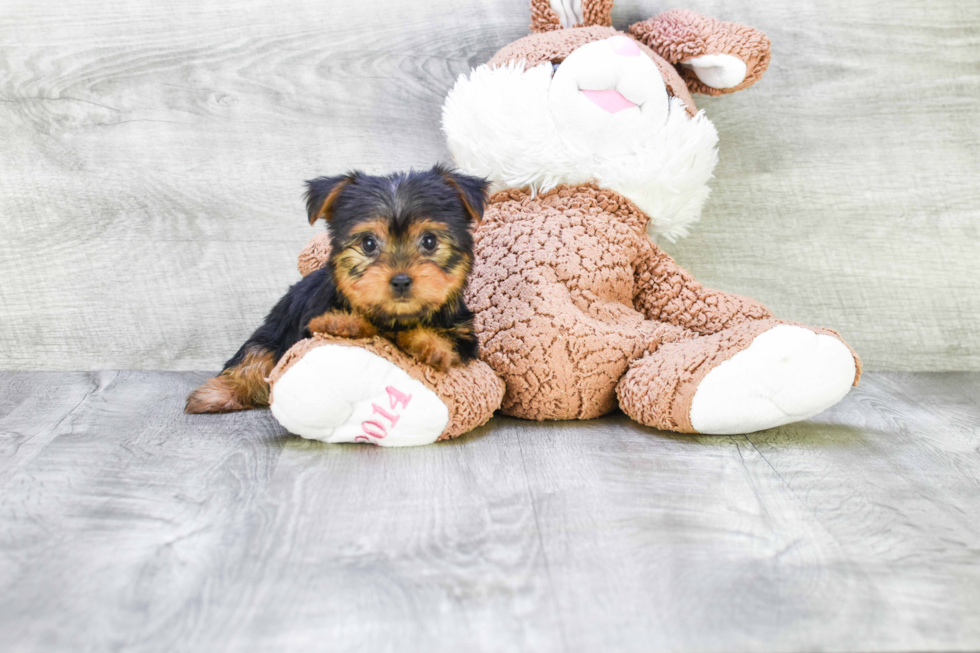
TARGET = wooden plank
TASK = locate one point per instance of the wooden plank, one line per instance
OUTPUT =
(138, 527)
(683, 544)
(33, 407)
(893, 475)
(153, 159)
(855, 530)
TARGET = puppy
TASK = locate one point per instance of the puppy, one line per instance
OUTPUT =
(401, 251)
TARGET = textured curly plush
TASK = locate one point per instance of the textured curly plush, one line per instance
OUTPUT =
(569, 293)
(597, 12)
(553, 290)
(314, 256)
(543, 17)
(680, 34)
(586, 13)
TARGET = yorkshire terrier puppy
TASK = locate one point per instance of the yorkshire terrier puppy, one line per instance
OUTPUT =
(401, 252)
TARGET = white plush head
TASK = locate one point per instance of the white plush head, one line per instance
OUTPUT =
(603, 114)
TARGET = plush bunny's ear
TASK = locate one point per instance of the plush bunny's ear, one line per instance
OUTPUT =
(322, 192)
(548, 15)
(472, 191)
(543, 17)
(596, 12)
(712, 56)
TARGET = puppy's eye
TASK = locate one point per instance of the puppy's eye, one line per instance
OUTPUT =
(429, 242)
(369, 244)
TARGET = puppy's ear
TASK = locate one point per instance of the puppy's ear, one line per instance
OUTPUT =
(322, 192)
(472, 191)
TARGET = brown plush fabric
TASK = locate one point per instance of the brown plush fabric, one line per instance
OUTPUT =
(569, 292)
(669, 293)
(543, 17)
(556, 45)
(547, 46)
(471, 393)
(316, 253)
(658, 389)
(594, 12)
(680, 34)
(597, 12)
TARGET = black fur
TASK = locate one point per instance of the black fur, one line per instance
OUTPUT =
(399, 198)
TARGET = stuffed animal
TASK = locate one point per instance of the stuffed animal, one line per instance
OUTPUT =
(336, 390)
(595, 147)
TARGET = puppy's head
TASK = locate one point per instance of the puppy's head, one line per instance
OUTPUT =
(401, 245)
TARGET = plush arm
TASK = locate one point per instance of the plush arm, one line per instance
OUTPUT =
(712, 56)
(666, 292)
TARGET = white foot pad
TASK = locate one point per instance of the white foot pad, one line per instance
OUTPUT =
(787, 374)
(347, 394)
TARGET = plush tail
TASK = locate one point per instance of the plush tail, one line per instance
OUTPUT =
(240, 386)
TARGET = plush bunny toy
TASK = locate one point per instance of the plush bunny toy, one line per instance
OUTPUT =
(594, 145)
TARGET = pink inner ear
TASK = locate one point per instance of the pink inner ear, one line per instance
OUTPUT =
(609, 100)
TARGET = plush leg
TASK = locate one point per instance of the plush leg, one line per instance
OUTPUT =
(750, 377)
(341, 390)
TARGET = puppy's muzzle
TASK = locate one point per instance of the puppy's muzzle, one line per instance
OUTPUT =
(401, 284)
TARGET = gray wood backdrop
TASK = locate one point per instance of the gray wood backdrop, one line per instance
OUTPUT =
(152, 154)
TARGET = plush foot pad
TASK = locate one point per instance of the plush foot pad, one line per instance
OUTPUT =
(336, 393)
(787, 374)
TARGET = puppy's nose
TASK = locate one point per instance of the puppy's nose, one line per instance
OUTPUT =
(624, 46)
(400, 283)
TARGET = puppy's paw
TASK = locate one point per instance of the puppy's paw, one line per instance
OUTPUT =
(219, 395)
(439, 358)
(237, 388)
(342, 325)
(430, 348)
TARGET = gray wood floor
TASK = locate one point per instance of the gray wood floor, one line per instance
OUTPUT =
(126, 525)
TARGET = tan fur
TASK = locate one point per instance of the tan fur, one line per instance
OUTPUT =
(237, 388)
(475, 215)
(368, 292)
(343, 325)
(429, 346)
(377, 228)
(326, 209)
(366, 281)
(418, 228)
(433, 286)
